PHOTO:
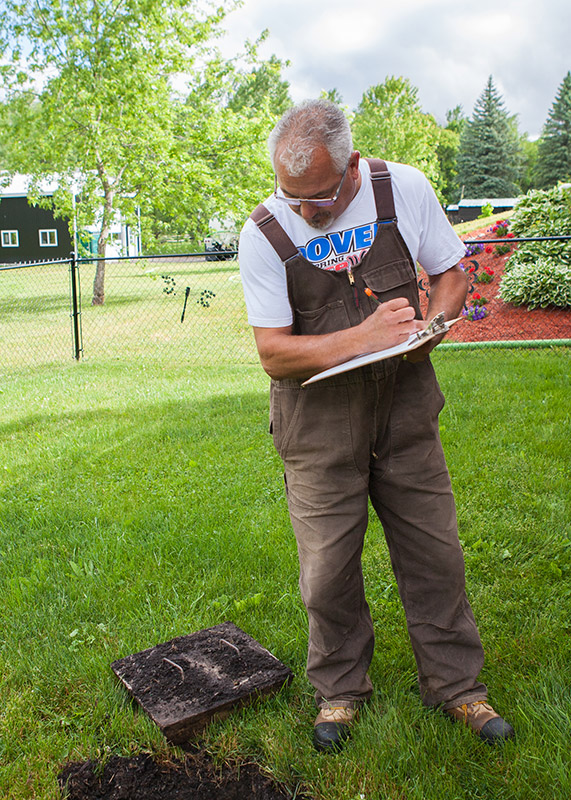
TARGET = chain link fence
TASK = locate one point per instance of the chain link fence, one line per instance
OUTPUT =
(190, 308)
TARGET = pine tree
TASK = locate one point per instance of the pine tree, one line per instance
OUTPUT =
(554, 147)
(489, 156)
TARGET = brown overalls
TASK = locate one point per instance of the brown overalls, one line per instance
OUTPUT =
(372, 432)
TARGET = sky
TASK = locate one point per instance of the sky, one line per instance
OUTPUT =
(446, 48)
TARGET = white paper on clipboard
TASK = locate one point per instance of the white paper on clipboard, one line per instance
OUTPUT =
(435, 327)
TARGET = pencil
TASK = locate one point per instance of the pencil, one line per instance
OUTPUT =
(372, 295)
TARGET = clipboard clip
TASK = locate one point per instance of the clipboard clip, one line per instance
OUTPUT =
(436, 326)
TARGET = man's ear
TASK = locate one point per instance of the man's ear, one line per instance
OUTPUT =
(354, 163)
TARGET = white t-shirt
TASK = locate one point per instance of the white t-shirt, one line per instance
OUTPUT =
(423, 225)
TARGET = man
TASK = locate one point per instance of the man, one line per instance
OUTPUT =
(335, 226)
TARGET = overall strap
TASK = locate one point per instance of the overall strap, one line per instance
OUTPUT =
(274, 233)
(383, 190)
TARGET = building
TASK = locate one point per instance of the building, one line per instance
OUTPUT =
(29, 233)
(467, 210)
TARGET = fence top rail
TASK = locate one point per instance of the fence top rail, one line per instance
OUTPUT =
(227, 253)
(514, 239)
(26, 264)
(92, 259)
(201, 253)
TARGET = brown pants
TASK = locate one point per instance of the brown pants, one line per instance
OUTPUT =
(362, 435)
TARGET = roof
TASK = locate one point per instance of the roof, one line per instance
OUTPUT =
(496, 202)
(19, 186)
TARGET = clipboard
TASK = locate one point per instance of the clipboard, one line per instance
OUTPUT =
(437, 326)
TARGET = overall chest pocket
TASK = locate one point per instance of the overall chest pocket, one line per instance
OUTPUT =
(396, 279)
(390, 277)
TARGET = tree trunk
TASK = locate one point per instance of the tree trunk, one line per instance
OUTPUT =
(99, 282)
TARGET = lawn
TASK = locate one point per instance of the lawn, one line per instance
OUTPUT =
(174, 308)
(141, 501)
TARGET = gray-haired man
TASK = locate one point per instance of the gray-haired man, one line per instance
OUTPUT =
(335, 226)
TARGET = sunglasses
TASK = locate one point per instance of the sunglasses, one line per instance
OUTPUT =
(319, 202)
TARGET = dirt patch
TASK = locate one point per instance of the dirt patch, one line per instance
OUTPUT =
(142, 778)
(184, 683)
(504, 322)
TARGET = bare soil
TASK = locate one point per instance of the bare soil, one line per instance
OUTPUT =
(142, 778)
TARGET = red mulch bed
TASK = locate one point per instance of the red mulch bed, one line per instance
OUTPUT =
(505, 322)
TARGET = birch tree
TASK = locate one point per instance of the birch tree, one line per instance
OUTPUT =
(123, 102)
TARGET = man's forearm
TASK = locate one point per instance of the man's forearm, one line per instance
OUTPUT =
(447, 293)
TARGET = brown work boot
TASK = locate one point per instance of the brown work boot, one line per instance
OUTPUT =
(483, 720)
(332, 727)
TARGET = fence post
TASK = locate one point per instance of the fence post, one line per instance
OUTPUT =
(75, 308)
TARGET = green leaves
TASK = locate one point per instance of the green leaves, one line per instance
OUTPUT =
(537, 286)
(538, 274)
(389, 122)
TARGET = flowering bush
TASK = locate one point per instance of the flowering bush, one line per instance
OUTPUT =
(474, 249)
(477, 308)
(484, 277)
(500, 228)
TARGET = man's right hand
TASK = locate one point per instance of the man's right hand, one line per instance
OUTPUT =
(391, 324)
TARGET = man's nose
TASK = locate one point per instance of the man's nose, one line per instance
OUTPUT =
(308, 210)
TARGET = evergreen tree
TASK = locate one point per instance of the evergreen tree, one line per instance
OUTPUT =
(554, 148)
(489, 158)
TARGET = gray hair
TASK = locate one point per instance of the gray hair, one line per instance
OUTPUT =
(307, 127)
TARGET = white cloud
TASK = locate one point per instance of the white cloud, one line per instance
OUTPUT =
(445, 49)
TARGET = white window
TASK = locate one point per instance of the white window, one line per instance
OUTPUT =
(10, 239)
(48, 237)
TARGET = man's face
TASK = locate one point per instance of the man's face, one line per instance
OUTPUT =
(321, 180)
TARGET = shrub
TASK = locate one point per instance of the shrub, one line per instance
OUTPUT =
(546, 213)
(537, 285)
(538, 274)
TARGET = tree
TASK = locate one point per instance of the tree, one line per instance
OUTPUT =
(529, 150)
(220, 133)
(333, 95)
(489, 159)
(93, 83)
(447, 152)
(263, 84)
(390, 123)
(554, 147)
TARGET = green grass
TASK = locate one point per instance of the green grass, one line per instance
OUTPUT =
(141, 501)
